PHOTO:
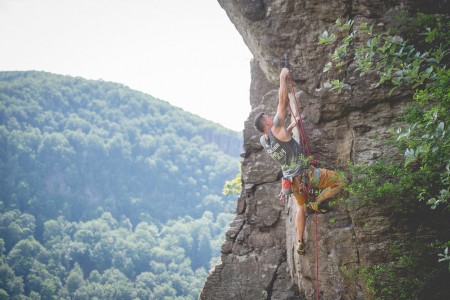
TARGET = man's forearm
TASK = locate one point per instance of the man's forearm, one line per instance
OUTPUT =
(283, 95)
(283, 92)
(291, 127)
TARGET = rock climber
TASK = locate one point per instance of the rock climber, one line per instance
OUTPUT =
(284, 149)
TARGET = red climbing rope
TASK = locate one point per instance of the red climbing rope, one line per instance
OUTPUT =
(317, 255)
(301, 129)
(305, 147)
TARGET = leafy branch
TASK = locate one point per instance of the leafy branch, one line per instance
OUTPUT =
(396, 61)
(415, 60)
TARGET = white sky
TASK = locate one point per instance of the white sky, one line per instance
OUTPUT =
(186, 52)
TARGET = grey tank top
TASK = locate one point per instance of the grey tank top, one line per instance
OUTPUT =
(288, 154)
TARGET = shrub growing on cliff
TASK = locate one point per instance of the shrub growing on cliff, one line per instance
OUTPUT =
(233, 187)
(414, 59)
(424, 139)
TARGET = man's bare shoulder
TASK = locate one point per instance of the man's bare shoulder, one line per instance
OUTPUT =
(277, 121)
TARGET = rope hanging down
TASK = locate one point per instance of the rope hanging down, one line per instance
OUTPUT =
(305, 147)
(299, 122)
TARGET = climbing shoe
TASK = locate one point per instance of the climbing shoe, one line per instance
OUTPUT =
(315, 206)
(301, 248)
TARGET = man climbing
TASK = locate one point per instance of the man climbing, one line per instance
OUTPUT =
(284, 149)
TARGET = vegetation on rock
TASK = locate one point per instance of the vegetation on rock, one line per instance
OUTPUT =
(412, 55)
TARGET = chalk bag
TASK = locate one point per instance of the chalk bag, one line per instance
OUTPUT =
(286, 186)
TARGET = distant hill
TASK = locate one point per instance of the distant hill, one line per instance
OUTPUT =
(76, 148)
(107, 193)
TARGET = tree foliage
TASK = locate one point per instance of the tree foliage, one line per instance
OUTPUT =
(233, 187)
(107, 259)
(107, 193)
(425, 139)
(411, 56)
(96, 146)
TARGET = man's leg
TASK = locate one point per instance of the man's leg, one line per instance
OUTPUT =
(332, 183)
(300, 198)
(300, 221)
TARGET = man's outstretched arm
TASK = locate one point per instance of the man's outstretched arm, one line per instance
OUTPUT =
(279, 120)
(282, 98)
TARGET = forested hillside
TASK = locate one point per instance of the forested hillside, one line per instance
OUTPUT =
(107, 192)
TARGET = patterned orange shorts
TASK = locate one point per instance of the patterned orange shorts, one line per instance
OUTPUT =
(328, 180)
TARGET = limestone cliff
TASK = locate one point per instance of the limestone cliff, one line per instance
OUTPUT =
(258, 256)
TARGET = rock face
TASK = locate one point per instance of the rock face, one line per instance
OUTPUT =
(253, 263)
(258, 256)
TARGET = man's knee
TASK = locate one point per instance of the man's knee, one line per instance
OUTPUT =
(301, 211)
(337, 178)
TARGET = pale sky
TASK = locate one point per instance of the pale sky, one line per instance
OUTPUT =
(186, 52)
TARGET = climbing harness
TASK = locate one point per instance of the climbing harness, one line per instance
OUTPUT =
(314, 162)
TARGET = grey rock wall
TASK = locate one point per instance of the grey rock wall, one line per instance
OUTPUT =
(253, 263)
(258, 255)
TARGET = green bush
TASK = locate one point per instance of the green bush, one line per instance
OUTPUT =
(413, 56)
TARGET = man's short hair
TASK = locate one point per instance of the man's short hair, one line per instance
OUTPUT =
(259, 122)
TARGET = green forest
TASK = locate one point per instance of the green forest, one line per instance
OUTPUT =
(106, 192)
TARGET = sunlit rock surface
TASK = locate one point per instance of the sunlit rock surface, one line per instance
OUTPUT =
(258, 255)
